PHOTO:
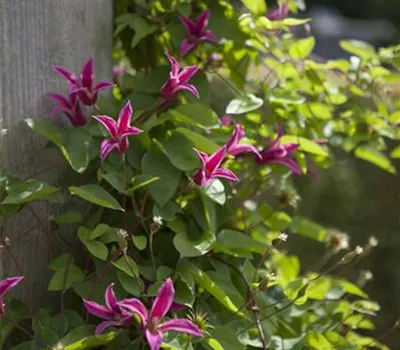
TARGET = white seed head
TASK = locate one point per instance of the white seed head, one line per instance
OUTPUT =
(359, 250)
(3, 132)
(158, 220)
(283, 237)
(373, 241)
(122, 233)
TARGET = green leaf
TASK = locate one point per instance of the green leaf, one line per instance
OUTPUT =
(97, 249)
(317, 341)
(308, 228)
(47, 129)
(133, 286)
(95, 194)
(20, 192)
(257, 7)
(75, 148)
(65, 278)
(72, 217)
(141, 181)
(244, 104)
(358, 48)
(351, 288)
(237, 243)
(375, 157)
(199, 142)
(179, 151)
(142, 29)
(42, 325)
(127, 265)
(101, 230)
(156, 164)
(197, 114)
(295, 21)
(116, 180)
(285, 97)
(60, 262)
(216, 191)
(306, 145)
(302, 48)
(395, 153)
(185, 246)
(140, 242)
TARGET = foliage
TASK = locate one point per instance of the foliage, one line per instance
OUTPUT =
(189, 198)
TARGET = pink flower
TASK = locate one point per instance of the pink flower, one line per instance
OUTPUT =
(178, 81)
(280, 154)
(119, 131)
(210, 168)
(114, 315)
(196, 32)
(225, 120)
(234, 148)
(85, 85)
(5, 286)
(279, 13)
(70, 107)
(152, 324)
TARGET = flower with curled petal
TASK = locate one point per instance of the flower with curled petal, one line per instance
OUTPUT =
(112, 313)
(118, 131)
(85, 86)
(234, 148)
(196, 32)
(178, 80)
(5, 285)
(153, 324)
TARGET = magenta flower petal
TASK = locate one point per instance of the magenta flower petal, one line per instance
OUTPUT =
(174, 65)
(109, 123)
(124, 117)
(237, 135)
(136, 306)
(291, 147)
(107, 147)
(200, 178)
(186, 47)
(188, 23)
(203, 156)
(215, 160)
(187, 73)
(182, 326)
(106, 324)
(78, 118)
(226, 174)
(101, 85)
(202, 21)
(291, 164)
(243, 148)
(111, 299)
(87, 74)
(163, 301)
(68, 76)
(98, 310)
(208, 35)
(191, 89)
(131, 131)
(225, 120)
(8, 283)
(60, 100)
(154, 339)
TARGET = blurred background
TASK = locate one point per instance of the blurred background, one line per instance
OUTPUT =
(358, 198)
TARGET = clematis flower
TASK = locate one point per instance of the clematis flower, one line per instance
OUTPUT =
(196, 32)
(5, 286)
(69, 106)
(178, 81)
(119, 131)
(152, 324)
(234, 148)
(112, 312)
(280, 154)
(225, 120)
(210, 168)
(84, 85)
(279, 13)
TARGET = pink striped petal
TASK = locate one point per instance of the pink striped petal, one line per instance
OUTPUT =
(109, 123)
(226, 174)
(200, 178)
(124, 117)
(87, 74)
(104, 325)
(111, 299)
(182, 326)
(215, 160)
(202, 21)
(291, 147)
(208, 35)
(174, 65)
(154, 339)
(291, 164)
(123, 145)
(68, 76)
(192, 89)
(131, 131)
(163, 301)
(136, 306)
(62, 101)
(237, 135)
(8, 283)
(101, 85)
(186, 47)
(243, 148)
(188, 23)
(78, 118)
(203, 156)
(187, 73)
(107, 147)
(98, 310)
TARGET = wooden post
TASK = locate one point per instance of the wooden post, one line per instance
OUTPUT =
(34, 35)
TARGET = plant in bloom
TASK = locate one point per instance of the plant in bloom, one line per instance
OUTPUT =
(114, 315)
(234, 148)
(279, 13)
(70, 106)
(118, 131)
(85, 85)
(196, 32)
(276, 153)
(210, 168)
(178, 80)
(5, 286)
(152, 324)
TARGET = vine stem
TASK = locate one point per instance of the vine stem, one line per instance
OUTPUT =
(17, 325)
